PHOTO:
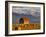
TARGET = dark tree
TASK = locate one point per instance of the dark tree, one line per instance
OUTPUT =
(21, 21)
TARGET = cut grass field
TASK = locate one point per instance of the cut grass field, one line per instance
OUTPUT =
(25, 26)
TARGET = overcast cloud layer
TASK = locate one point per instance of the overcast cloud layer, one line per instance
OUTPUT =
(34, 11)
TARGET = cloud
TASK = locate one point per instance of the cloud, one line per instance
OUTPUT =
(34, 11)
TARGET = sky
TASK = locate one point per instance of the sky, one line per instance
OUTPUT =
(27, 10)
(31, 12)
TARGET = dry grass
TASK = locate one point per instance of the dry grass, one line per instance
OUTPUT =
(26, 26)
